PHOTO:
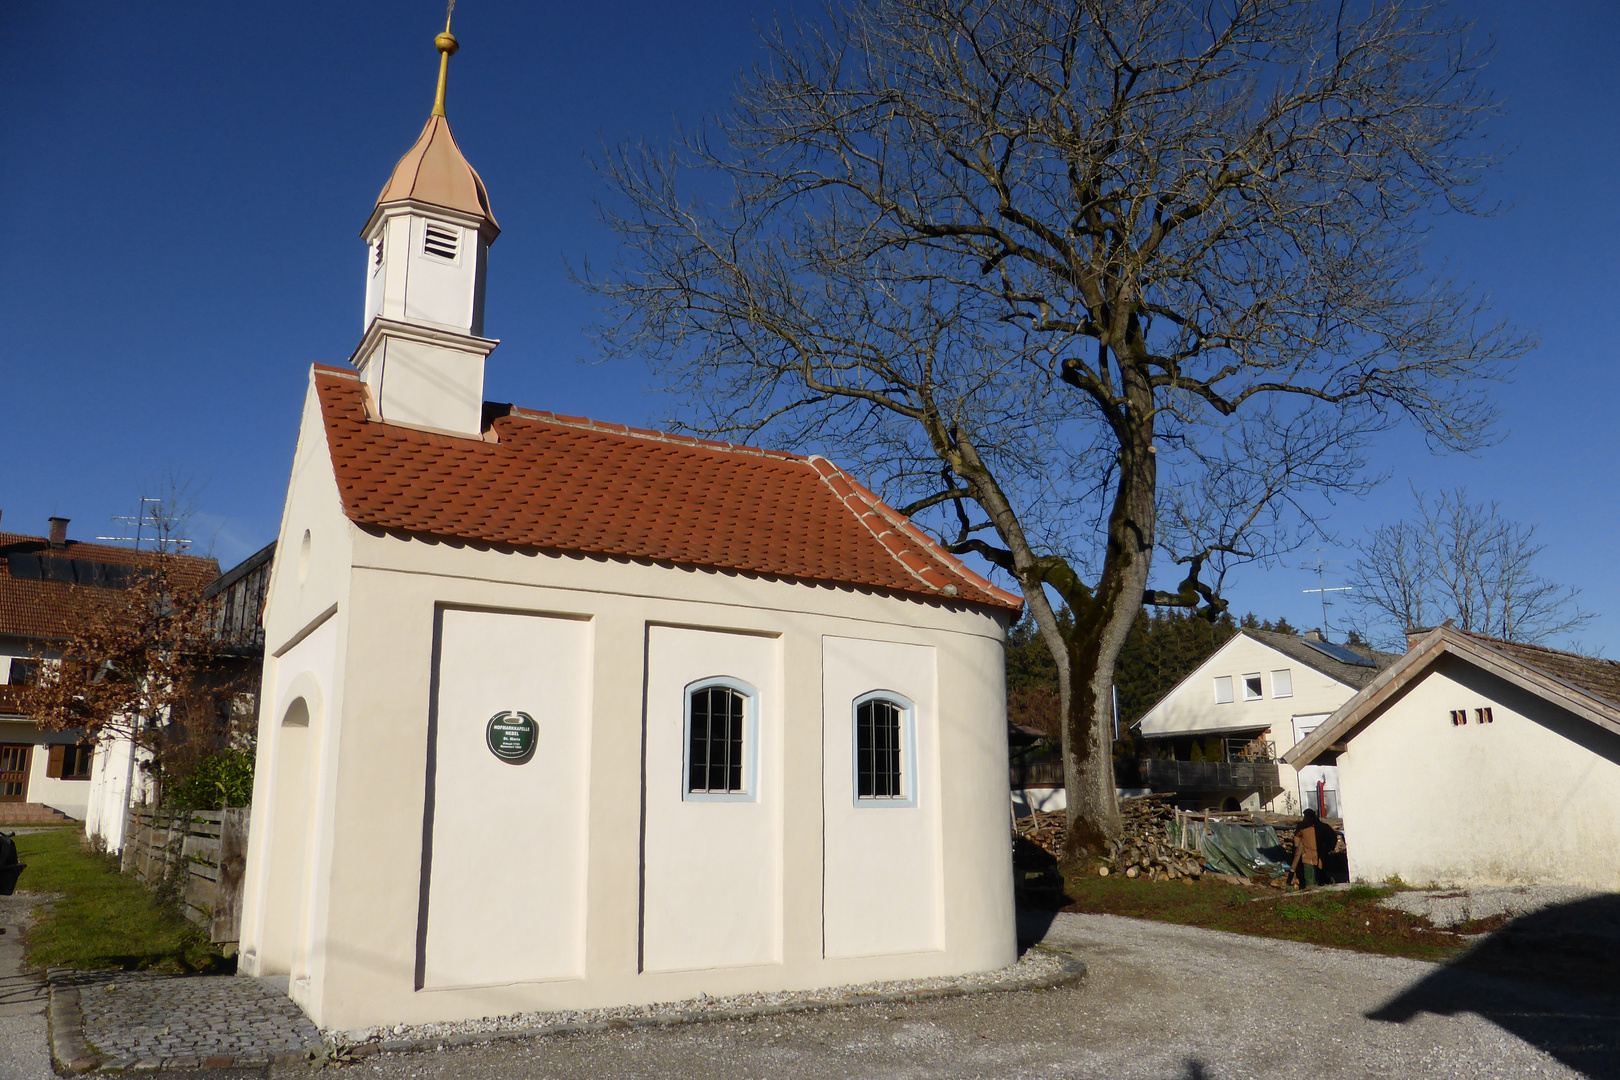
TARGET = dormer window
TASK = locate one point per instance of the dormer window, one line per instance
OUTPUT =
(441, 240)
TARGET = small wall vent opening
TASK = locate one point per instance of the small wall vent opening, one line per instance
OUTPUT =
(441, 240)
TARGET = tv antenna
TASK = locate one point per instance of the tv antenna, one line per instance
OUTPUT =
(1322, 590)
(161, 523)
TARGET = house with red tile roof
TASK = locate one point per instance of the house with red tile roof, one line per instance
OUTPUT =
(48, 584)
(1476, 761)
(559, 713)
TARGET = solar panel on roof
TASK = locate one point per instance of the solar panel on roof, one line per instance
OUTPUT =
(24, 566)
(1339, 653)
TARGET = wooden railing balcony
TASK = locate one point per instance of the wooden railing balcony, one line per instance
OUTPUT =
(1185, 776)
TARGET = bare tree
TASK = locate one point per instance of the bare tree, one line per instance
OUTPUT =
(1074, 281)
(144, 662)
(1463, 561)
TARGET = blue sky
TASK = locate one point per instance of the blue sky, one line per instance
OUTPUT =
(184, 183)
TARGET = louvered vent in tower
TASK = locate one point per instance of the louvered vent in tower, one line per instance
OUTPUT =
(441, 240)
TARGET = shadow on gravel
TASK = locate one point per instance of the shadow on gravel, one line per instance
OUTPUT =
(1547, 977)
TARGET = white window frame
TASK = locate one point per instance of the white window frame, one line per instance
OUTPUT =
(1288, 680)
(1260, 680)
(1227, 679)
(908, 753)
(750, 791)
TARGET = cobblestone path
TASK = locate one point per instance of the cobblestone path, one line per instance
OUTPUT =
(183, 1021)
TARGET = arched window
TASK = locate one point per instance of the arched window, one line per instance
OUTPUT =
(885, 751)
(721, 741)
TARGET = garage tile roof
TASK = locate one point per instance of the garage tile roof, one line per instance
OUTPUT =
(569, 484)
(48, 610)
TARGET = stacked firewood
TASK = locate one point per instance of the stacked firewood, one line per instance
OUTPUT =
(1144, 850)
(1044, 830)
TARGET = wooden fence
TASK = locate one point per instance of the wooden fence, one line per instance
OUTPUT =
(210, 846)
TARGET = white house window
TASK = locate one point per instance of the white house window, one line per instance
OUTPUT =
(1252, 687)
(885, 759)
(721, 733)
(1483, 716)
(1223, 690)
(441, 240)
(1282, 683)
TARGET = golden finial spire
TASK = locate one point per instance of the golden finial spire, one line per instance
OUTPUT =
(447, 45)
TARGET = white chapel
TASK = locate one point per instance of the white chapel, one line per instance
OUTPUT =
(559, 713)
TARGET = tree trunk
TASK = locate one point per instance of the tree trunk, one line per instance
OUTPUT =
(1102, 620)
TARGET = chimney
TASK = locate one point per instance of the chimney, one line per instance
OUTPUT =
(59, 532)
(1314, 635)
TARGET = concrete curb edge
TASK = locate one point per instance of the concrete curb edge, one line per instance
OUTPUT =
(1072, 972)
(70, 1052)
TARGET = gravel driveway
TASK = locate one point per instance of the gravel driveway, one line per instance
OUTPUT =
(1161, 1002)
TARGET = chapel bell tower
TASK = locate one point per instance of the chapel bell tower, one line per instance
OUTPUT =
(428, 239)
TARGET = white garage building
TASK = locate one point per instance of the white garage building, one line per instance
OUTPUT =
(561, 714)
(1475, 761)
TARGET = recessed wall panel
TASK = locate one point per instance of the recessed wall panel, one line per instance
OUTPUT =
(712, 887)
(882, 889)
(506, 875)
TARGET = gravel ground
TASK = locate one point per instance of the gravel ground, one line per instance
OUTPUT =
(23, 1053)
(1448, 907)
(1159, 1002)
(1034, 965)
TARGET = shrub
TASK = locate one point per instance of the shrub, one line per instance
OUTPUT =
(220, 780)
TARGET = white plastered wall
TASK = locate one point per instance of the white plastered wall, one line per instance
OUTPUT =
(71, 797)
(1191, 709)
(518, 914)
(1529, 798)
(366, 970)
(712, 883)
(305, 633)
(882, 892)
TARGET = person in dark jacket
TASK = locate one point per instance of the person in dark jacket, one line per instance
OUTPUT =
(1314, 841)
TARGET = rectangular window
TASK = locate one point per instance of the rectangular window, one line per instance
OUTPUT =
(441, 240)
(877, 750)
(715, 760)
(69, 762)
(1483, 716)
(1282, 683)
(1252, 688)
(1459, 717)
(1223, 690)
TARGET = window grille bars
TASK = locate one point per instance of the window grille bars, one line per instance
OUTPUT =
(877, 750)
(716, 750)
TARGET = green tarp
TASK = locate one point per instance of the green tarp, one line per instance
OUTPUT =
(1236, 848)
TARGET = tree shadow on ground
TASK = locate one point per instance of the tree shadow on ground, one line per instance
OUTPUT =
(1547, 977)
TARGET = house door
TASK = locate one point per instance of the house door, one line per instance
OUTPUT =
(14, 772)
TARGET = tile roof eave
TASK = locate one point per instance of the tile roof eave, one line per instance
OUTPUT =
(1354, 714)
(397, 480)
(937, 599)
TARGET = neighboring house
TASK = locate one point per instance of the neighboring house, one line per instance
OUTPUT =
(46, 584)
(562, 714)
(119, 781)
(1475, 761)
(1217, 736)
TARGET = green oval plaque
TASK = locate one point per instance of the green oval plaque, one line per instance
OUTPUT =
(511, 736)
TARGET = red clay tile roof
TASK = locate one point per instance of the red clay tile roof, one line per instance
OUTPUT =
(568, 484)
(46, 610)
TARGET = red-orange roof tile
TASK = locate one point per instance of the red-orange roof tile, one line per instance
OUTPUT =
(569, 484)
(49, 610)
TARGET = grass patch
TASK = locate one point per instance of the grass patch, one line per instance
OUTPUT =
(1343, 920)
(101, 918)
